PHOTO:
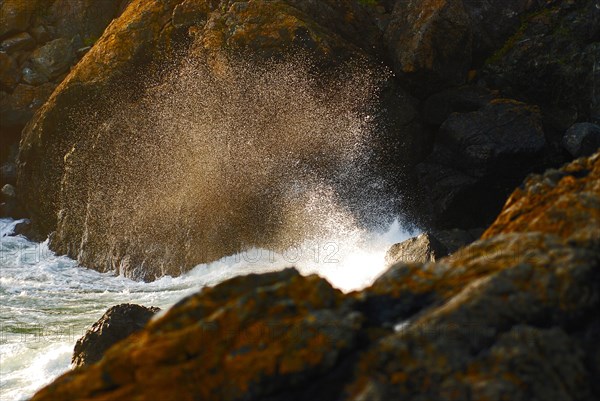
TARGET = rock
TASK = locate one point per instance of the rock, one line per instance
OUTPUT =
(34, 77)
(455, 239)
(17, 108)
(144, 38)
(16, 15)
(8, 172)
(8, 191)
(559, 45)
(478, 158)
(582, 139)
(117, 323)
(53, 59)
(252, 337)
(10, 207)
(9, 72)
(422, 249)
(434, 43)
(414, 36)
(438, 107)
(41, 34)
(26, 229)
(21, 41)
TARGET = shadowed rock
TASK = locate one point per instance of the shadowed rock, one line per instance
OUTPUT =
(116, 324)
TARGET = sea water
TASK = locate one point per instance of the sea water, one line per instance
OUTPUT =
(47, 301)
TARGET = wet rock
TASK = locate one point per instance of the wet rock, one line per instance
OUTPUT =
(21, 41)
(53, 59)
(9, 72)
(421, 249)
(582, 139)
(26, 229)
(117, 323)
(478, 158)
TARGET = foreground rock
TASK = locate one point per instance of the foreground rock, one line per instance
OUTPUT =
(116, 324)
(512, 315)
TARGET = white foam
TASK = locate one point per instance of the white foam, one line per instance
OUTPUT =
(48, 301)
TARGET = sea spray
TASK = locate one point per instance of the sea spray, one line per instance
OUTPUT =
(211, 160)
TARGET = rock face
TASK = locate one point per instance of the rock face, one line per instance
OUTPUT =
(38, 44)
(582, 139)
(512, 315)
(557, 44)
(478, 157)
(116, 324)
(449, 109)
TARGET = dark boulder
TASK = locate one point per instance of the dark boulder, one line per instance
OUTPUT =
(116, 324)
(478, 158)
(582, 139)
(552, 61)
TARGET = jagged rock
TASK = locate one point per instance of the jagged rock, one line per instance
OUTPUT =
(582, 139)
(117, 323)
(478, 158)
(9, 72)
(421, 249)
(22, 41)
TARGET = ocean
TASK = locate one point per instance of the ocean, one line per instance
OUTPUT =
(48, 301)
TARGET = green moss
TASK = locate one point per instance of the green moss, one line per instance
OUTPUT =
(89, 41)
(368, 2)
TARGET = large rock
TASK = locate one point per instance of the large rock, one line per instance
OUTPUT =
(117, 323)
(552, 61)
(434, 43)
(478, 158)
(53, 59)
(252, 337)
(120, 70)
(511, 316)
(422, 249)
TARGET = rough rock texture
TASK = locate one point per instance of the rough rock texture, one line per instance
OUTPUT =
(434, 43)
(249, 338)
(582, 139)
(116, 324)
(552, 61)
(512, 316)
(478, 158)
(421, 249)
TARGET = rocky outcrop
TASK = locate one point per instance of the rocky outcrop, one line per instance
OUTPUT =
(434, 43)
(478, 158)
(117, 323)
(511, 315)
(552, 61)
